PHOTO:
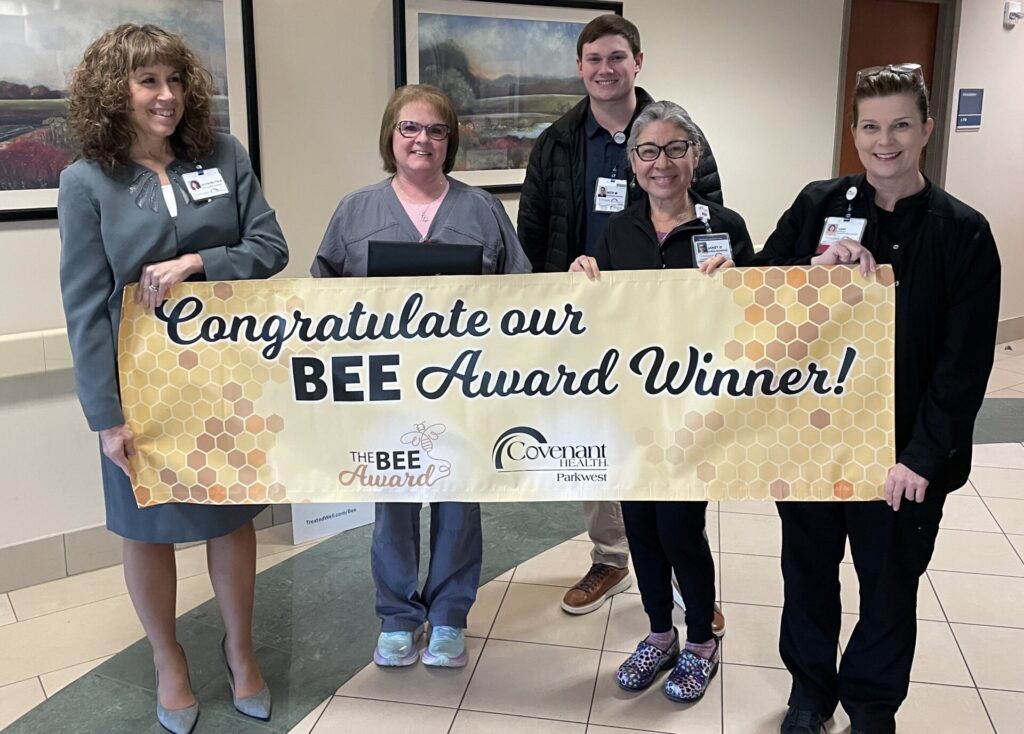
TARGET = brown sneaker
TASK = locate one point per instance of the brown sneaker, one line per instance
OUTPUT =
(718, 623)
(601, 582)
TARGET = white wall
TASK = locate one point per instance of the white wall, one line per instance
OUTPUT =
(760, 78)
(986, 168)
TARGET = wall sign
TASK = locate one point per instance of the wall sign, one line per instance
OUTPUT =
(968, 111)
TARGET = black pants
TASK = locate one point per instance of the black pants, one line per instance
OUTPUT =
(665, 537)
(890, 552)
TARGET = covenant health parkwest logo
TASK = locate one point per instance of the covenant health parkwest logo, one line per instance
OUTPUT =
(525, 449)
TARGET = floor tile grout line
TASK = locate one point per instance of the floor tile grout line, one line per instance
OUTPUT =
(330, 700)
(979, 573)
(718, 569)
(1001, 690)
(93, 660)
(600, 659)
(963, 657)
(983, 624)
(630, 728)
(19, 620)
(1005, 534)
(538, 718)
(480, 655)
(14, 611)
(400, 703)
(545, 644)
(72, 606)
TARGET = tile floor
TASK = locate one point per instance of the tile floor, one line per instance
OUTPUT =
(535, 670)
(93, 610)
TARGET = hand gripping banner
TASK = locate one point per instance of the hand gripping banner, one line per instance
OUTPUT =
(757, 383)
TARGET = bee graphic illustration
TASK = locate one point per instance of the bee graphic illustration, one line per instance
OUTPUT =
(424, 436)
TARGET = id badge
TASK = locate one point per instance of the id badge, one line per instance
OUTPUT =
(706, 246)
(837, 228)
(205, 184)
(610, 195)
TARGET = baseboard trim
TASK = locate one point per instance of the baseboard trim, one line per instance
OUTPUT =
(69, 554)
(1010, 330)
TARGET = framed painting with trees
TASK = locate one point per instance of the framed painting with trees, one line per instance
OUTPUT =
(509, 68)
(43, 42)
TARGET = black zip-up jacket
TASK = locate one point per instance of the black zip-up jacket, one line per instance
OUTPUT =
(629, 242)
(552, 210)
(947, 307)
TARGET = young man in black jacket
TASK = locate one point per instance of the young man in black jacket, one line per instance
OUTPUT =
(577, 177)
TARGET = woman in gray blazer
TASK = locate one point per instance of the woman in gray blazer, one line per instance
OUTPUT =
(129, 211)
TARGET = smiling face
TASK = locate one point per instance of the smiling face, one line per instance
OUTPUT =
(889, 137)
(664, 178)
(608, 68)
(157, 102)
(419, 157)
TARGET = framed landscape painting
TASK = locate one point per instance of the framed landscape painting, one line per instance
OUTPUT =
(509, 68)
(42, 42)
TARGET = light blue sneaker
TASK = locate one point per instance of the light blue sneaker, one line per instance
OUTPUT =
(396, 649)
(447, 649)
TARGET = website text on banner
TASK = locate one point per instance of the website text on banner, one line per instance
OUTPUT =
(759, 383)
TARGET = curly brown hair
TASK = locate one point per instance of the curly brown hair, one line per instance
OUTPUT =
(99, 97)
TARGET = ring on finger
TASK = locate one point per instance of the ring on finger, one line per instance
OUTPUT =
(154, 288)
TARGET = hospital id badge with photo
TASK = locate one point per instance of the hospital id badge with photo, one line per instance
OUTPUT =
(610, 195)
(707, 246)
(205, 184)
(837, 228)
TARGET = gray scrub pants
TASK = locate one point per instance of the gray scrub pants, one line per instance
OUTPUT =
(456, 554)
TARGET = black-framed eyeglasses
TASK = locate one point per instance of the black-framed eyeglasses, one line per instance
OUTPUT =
(673, 149)
(907, 69)
(411, 128)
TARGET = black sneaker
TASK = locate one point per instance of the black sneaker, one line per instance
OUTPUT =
(802, 721)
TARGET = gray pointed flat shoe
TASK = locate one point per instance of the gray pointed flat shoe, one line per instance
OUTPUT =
(258, 705)
(177, 721)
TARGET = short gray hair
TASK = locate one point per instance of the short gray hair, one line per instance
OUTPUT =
(665, 111)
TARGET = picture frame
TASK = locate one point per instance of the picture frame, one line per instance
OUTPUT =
(39, 55)
(511, 72)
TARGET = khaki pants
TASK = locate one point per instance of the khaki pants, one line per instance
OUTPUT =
(607, 532)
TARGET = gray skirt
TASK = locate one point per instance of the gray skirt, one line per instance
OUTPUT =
(173, 522)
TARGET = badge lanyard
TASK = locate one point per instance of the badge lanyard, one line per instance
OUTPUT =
(704, 214)
(851, 194)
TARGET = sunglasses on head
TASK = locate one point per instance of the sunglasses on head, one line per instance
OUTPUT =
(899, 69)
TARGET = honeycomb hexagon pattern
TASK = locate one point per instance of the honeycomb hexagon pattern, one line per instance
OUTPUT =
(209, 441)
(213, 443)
(807, 446)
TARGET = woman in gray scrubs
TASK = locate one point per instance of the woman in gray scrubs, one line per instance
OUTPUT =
(419, 202)
(139, 105)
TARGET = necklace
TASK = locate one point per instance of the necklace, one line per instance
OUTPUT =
(671, 221)
(423, 208)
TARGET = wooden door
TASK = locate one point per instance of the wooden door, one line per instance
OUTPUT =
(885, 32)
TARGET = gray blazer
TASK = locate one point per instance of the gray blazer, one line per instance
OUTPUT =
(111, 224)
(467, 216)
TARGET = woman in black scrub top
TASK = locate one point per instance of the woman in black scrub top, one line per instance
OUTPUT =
(947, 302)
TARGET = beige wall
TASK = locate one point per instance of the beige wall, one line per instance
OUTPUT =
(986, 168)
(325, 71)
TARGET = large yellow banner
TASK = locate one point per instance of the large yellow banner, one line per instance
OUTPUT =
(757, 383)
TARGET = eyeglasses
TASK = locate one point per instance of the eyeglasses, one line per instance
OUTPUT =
(673, 149)
(410, 129)
(900, 69)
